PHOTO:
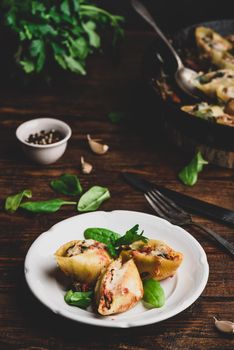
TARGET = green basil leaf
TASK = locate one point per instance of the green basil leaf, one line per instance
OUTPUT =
(94, 38)
(101, 234)
(60, 23)
(36, 47)
(79, 47)
(105, 236)
(67, 184)
(65, 8)
(112, 250)
(131, 236)
(28, 66)
(79, 299)
(76, 5)
(13, 202)
(154, 295)
(115, 117)
(37, 7)
(93, 198)
(60, 60)
(74, 65)
(189, 174)
(49, 206)
(47, 29)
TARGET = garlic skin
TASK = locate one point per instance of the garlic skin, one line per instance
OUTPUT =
(97, 147)
(224, 326)
(85, 167)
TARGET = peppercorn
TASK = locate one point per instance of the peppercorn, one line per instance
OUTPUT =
(44, 138)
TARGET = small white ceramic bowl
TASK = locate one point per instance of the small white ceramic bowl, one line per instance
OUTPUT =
(43, 154)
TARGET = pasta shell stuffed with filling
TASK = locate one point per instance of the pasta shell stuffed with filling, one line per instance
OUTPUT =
(118, 288)
(214, 47)
(223, 59)
(215, 113)
(210, 82)
(225, 93)
(209, 41)
(83, 260)
(153, 259)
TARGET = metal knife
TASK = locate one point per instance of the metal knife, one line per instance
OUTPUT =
(195, 205)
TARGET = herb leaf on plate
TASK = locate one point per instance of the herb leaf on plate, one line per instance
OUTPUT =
(131, 236)
(49, 206)
(67, 184)
(101, 234)
(154, 295)
(93, 198)
(105, 236)
(189, 174)
(12, 202)
(112, 239)
(79, 299)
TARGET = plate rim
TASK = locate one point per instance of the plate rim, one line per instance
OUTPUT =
(121, 323)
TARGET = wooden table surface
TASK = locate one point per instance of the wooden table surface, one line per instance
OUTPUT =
(136, 144)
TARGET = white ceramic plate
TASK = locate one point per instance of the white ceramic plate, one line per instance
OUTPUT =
(49, 286)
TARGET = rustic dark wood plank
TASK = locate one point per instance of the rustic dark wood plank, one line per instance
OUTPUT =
(138, 144)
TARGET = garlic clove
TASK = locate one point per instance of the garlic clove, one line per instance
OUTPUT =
(224, 326)
(85, 167)
(97, 147)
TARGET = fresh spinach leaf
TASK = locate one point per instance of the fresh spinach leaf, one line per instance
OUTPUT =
(131, 236)
(67, 184)
(112, 250)
(112, 239)
(189, 174)
(12, 203)
(115, 117)
(154, 295)
(79, 299)
(105, 236)
(49, 206)
(101, 234)
(93, 198)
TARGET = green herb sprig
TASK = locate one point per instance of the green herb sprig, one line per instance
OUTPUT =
(114, 240)
(64, 31)
(131, 236)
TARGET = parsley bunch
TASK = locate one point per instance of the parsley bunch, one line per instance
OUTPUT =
(66, 30)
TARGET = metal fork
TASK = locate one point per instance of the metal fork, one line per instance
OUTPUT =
(170, 211)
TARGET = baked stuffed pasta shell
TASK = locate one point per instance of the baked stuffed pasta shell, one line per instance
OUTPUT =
(225, 93)
(214, 47)
(118, 288)
(214, 113)
(210, 82)
(153, 259)
(223, 59)
(83, 260)
(204, 110)
(208, 41)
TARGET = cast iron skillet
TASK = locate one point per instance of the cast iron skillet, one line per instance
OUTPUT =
(205, 132)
